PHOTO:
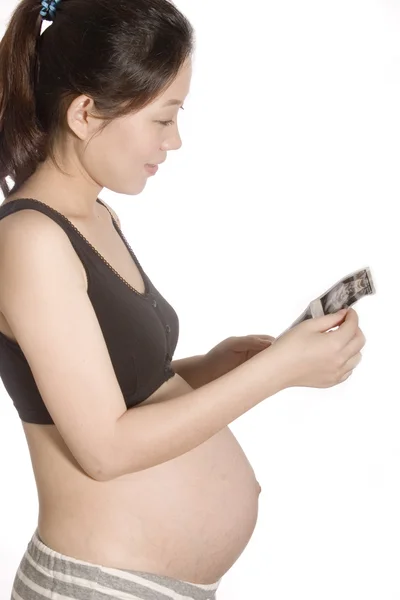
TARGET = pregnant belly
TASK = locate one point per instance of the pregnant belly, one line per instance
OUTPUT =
(189, 518)
(197, 513)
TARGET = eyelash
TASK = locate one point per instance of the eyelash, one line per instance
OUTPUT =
(168, 123)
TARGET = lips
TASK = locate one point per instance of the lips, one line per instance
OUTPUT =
(152, 169)
(156, 164)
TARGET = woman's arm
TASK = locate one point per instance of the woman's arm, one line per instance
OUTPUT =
(193, 370)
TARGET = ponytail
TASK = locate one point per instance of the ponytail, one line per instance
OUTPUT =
(21, 139)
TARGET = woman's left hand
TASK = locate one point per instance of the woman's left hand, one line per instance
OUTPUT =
(234, 351)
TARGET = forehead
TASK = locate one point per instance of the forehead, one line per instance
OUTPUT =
(177, 91)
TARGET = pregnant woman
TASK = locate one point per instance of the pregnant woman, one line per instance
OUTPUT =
(144, 492)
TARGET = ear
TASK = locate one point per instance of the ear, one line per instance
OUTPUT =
(78, 117)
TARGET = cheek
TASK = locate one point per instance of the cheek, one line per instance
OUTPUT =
(134, 147)
(116, 159)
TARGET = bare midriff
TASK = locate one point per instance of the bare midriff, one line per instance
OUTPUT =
(189, 518)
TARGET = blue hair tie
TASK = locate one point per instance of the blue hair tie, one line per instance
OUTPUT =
(49, 9)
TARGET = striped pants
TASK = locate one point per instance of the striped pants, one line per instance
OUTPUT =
(46, 574)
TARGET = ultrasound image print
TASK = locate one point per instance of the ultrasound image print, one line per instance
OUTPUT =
(347, 292)
(343, 294)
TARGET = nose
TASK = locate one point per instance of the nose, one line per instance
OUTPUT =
(174, 142)
(179, 143)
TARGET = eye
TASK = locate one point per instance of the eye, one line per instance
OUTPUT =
(168, 123)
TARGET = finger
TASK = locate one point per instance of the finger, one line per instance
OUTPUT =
(351, 365)
(255, 351)
(265, 343)
(256, 341)
(265, 338)
(355, 345)
(347, 330)
(346, 376)
(249, 342)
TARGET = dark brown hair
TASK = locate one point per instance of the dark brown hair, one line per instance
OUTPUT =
(121, 53)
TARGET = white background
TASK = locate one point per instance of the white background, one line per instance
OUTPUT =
(287, 180)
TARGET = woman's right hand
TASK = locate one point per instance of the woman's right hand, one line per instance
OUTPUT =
(313, 356)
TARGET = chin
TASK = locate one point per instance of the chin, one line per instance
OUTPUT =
(138, 189)
(132, 190)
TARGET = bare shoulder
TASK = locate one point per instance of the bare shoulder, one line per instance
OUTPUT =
(25, 233)
(28, 224)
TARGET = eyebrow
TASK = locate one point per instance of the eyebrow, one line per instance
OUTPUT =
(173, 102)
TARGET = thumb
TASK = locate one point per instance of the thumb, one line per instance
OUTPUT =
(326, 322)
